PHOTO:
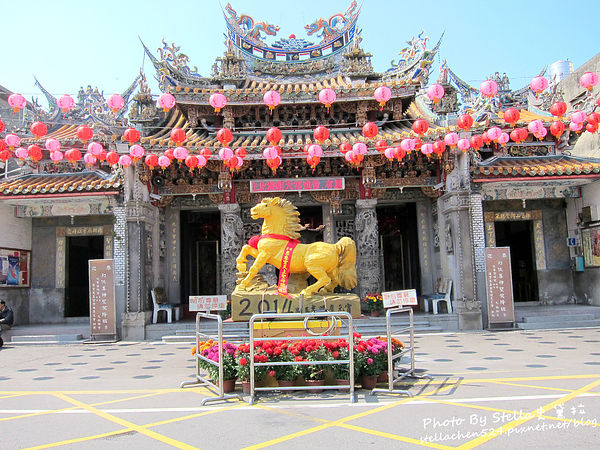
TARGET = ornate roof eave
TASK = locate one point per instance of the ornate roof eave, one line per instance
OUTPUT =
(418, 68)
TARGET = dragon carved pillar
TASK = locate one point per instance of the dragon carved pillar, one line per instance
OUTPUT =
(367, 243)
(232, 235)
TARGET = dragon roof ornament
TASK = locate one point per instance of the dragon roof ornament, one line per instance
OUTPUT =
(415, 60)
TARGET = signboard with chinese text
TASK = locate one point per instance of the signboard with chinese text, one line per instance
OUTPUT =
(102, 299)
(208, 302)
(298, 184)
(407, 297)
(498, 281)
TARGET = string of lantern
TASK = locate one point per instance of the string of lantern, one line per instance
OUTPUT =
(10, 145)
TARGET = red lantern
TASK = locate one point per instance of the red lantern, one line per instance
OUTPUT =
(274, 135)
(476, 141)
(464, 122)
(111, 157)
(486, 139)
(84, 133)
(241, 152)
(224, 136)
(1, 126)
(439, 147)
(178, 135)
(73, 155)
(205, 152)
(313, 161)
(381, 145)
(345, 147)
(557, 129)
(34, 152)
(2, 145)
(131, 135)
(399, 153)
(321, 134)
(558, 109)
(5, 155)
(594, 118)
(516, 135)
(592, 127)
(420, 126)
(191, 161)
(512, 116)
(370, 130)
(169, 153)
(38, 129)
(151, 161)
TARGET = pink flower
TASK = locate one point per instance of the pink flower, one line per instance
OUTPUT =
(369, 361)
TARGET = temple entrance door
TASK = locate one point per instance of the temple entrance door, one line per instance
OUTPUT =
(399, 246)
(200, 261)
(518, 235)
(80, 249)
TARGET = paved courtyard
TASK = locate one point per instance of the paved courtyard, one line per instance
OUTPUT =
(490, 390)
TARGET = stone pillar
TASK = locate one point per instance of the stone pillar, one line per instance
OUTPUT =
(367, 245)
(329, 222)
(424, 224)
(478, 227)
(173, 256)
(232, 236)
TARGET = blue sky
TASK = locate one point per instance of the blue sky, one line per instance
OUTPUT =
(68, 44)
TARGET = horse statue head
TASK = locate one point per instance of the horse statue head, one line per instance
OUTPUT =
(280, 217)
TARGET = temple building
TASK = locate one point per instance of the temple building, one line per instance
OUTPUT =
(416, 218)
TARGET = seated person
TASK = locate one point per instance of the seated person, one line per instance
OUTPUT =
(6, 316)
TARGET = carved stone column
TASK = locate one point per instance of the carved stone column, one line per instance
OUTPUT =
(232, 236)
(329, 222)
(367, 243)
(361, 113)
(228, 120)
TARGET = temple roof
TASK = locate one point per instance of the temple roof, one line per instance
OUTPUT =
(63, 184)
(502, 168)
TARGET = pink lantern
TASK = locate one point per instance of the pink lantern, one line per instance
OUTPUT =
(463, 144)
(89, 159)
(237, 162)
(535, 125)
(315, 150)
(538, 84)
(504, 138)
(576, 126)
(164, 161)
(226, 153)
(12, 140)
(65, 103)
(494, 133)
(578, 117)
(16, 102)
(588, 80)
(201, 160)
(180, 153)
(52, 145)
(359, 148)
(56, 156)
(115, 102)
(451, 139)
(405, 145)
(217, 101)
(21, 153)
(489, 88)
(166, 101)
(327, 96)
(435, 92)
(270, 153)
(389, 153)
(542, 132)
(427, 149)
(94, 148)
(125, 160)
(137, 152)
(272, 99)
(382, 94)
(350, 156)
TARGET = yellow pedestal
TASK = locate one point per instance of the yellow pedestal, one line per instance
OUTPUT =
(285, 328)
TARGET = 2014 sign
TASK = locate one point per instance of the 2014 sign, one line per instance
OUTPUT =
(208, 302)
(407, 297)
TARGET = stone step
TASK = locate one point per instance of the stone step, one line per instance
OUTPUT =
(553, 318)
(47, 339)
(558, 324)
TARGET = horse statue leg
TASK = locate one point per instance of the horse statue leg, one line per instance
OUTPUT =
(259, 262)
(241, 260)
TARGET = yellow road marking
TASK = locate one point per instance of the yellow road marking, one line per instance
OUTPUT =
(13, 395)
(526, 417)
(81, 439)
(394, 436)
(292, 414)
(534, 387)
(126, 423)
(190, 416)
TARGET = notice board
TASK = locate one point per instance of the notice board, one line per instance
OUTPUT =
(498, 281)
(103, 323)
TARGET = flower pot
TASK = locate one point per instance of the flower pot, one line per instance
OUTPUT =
(286, 383)
(315, 383)
(375, 313)
(383, 377)
(341, 382)
(246, 387)
(368, 382)
(228, 385)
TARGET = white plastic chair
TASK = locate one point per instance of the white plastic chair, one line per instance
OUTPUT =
(159, 303)
(443, 295)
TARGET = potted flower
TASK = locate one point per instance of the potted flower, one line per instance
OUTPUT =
(369, 356)
(242, 358)
(315, 374)
(373, 303)
(229, 365)
(285, 375)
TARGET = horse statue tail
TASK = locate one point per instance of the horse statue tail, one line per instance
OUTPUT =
(346, 249)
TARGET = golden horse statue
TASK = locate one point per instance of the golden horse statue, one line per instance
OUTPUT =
(331, 264)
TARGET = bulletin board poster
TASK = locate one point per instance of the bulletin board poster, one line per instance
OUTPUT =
(15, 267)
(590, 239)
(103, 323)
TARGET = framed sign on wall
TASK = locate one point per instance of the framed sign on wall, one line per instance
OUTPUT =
(590, 239)
(15, 267)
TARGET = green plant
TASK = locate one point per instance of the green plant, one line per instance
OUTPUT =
(316, 371)
(286, 373)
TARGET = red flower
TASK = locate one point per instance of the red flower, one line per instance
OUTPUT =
(243, 361)
(271, 373)
(257, 358)
(294, 351)
(299, 358)
(269, 351)
(277, 351)
(335, 354)
(263, 358)
(356, 335)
